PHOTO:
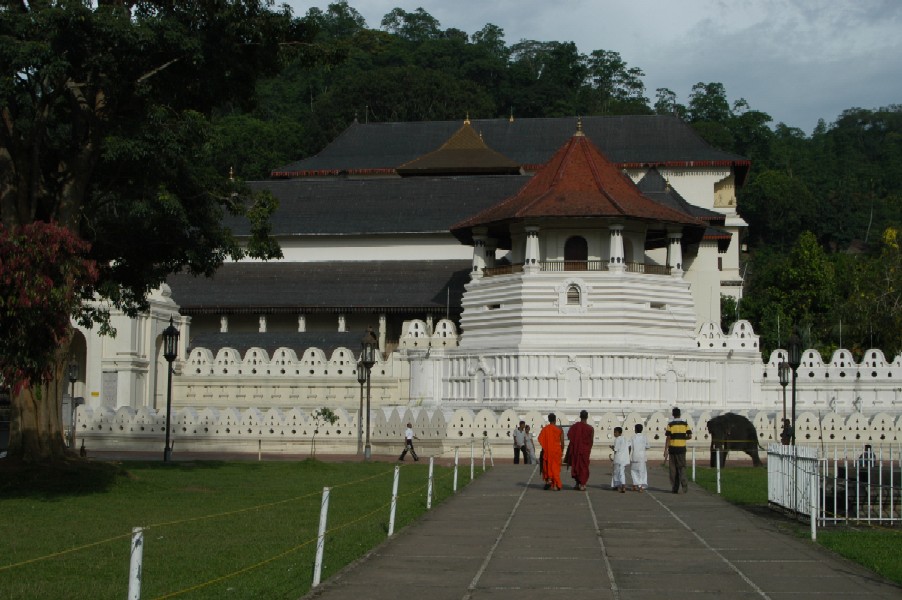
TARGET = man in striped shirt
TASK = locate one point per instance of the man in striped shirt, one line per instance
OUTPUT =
(676, 435)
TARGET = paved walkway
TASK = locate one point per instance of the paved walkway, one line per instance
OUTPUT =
(503, 536)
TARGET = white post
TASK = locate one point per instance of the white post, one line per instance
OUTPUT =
(483, 455)
(135, 565)
(321, 538)
(259, 450)
(472, 463)
(693, 464)
(812, 492)
(718, 470)
(429, 489)
(456, 456)
(394, 503)
(491, 458)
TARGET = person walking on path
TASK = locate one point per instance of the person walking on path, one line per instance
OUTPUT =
(581, 436)
(639, 462)
(409, 437)
(621, 450)
(520, 443)
(530, 448)
(676, 435)
(551, 439)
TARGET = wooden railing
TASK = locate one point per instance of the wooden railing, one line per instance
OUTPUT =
(561, 266)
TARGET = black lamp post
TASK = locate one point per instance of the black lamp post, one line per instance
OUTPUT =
(795, 359)
(73, 376)
(783, 372)
(361, 379)
(170, 351)
(368, 358)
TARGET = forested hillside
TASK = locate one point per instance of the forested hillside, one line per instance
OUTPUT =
(824, 209)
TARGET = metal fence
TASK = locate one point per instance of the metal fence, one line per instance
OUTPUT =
(839, 486)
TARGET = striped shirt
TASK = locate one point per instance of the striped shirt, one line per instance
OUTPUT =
(677, 433)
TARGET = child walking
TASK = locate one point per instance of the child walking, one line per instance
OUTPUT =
(621, 449)
(638, 466)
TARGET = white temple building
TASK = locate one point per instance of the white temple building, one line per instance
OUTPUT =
(510, 268)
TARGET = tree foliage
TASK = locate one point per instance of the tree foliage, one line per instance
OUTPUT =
(106, 134)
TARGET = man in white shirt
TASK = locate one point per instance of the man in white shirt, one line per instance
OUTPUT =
(519, 436)
(409, 437)
(639, 464)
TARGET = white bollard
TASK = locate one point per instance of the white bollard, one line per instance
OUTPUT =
(394, 503)
(472, 463)
(491, 458)
(693, 465)
(429, 489)
(483, 455)
(321, 538)
(813, 494)
(135, 565)
(456, 456)
(718, 470)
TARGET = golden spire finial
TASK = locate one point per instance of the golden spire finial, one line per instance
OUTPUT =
(467, 120)
(511, 119)
(579, 126)
(231, 173)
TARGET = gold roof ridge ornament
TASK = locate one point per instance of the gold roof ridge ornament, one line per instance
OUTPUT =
(579, 127)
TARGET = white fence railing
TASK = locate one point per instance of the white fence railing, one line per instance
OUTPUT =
(838, 486)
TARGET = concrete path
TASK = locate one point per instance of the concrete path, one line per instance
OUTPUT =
(503, 536)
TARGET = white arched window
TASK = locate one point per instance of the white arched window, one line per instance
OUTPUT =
(573, 295)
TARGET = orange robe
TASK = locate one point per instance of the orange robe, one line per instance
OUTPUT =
(551, 438)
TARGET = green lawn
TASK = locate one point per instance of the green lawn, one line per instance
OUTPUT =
(213, 529)
(873, 547)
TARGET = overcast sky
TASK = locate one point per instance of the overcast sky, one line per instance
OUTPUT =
(797, 60)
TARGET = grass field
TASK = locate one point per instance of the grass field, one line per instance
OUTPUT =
(212, 529)
(877, 548)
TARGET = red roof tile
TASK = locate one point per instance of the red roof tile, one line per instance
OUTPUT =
(579, 182)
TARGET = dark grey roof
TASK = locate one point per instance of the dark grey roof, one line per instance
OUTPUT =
(299, 342)
(625, 140)
(654, 186)
(282, 287)
(379, 205)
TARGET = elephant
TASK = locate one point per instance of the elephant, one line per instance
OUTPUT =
(730, 431)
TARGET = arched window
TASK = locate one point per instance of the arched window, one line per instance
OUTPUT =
(576, 253)
(573, 295)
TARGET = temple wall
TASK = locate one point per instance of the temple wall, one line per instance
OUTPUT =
(291, 432)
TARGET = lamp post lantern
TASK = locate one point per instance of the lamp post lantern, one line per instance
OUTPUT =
(368, 347)
(361, 379)
(795, 359)
(783, 372)
(170, 351)
(73, 376)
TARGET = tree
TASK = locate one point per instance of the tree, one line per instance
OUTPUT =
(112, 147)
(616, 88)
(416, 26)
(320, 416)
(666, 103)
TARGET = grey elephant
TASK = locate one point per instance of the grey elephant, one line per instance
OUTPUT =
(730, 431)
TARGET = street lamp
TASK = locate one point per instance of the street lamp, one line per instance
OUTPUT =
(73, 376)
(795, 359)
(368, 358)
(361, 379)
(783, 372)
(170, 350)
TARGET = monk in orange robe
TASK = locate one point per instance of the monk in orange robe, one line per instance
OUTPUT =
(551, 438)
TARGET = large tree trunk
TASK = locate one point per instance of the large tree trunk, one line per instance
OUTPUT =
(36, 433)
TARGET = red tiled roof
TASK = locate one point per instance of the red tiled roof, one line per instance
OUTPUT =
(579, 182)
